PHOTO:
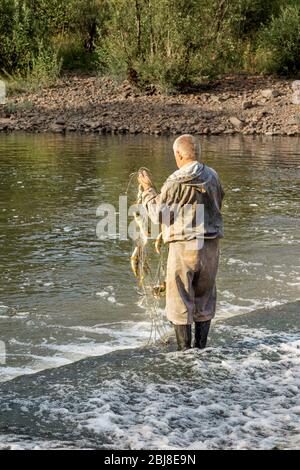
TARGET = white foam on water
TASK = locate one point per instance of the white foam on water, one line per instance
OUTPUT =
(242, 402)
(74, 352)
(37, 364)
(108, 294)
(232, 261)
(8, 373)
(227, 309)
(22, 314)
(19, 343)
(133, 336)
(102, 294)
(112, 336)
(227, 294)
(8, 442)
(122, 331)
(244, 396)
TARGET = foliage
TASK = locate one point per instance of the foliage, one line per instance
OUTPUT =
(170, 44)
(279, 42)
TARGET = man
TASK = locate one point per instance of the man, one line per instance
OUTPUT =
(192, 262)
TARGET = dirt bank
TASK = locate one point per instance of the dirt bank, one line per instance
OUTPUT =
(235, 104)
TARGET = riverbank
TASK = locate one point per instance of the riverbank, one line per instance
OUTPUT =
(87, 104)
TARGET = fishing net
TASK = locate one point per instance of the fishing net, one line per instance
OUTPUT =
(148, 266)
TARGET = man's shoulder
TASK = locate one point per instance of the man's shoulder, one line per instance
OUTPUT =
(170, 184)
(211, 171)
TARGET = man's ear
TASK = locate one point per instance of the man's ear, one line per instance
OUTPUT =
(178, 155)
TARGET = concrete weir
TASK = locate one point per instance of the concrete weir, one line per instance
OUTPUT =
(241, 392)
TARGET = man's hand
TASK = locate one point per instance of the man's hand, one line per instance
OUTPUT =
(144, 180)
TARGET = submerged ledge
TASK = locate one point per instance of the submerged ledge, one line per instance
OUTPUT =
(281, 318)
(241, 393)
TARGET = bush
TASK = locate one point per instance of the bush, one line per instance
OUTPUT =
(279, 43)
(44, 70)
(45, 67)
(75, 57)
(171, 44)
(157, 42)
(176, 43)
(16, 39)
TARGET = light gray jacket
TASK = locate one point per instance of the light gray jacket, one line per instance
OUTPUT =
(189, 204)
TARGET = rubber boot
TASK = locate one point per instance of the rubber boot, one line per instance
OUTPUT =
(201, 333)
(183, 336)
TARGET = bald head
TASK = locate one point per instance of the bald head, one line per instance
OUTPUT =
(186, 149)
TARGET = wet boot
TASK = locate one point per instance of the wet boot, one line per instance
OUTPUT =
(201, 333)
(183, 336)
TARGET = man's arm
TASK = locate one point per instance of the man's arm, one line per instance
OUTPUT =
(154, 204)
(152, 201)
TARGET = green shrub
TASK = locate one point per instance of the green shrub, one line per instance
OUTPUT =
(279, 43)
(45, 67)
(16, 39)
(75, 57)
(43, 70)
(158, 41)
(171, 44)
(176, 43)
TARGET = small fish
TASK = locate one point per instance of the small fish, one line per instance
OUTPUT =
(158, 243)
(139, 221)
(135, 261)
(160, 290)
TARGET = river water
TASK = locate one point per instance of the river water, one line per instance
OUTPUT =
(69, 307)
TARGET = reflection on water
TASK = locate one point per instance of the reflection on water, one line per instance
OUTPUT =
(74, 295)
(64, 295)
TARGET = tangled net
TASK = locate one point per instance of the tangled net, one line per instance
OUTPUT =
(150, 279)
